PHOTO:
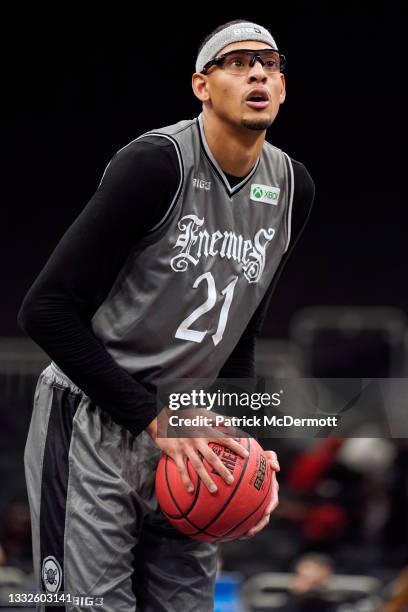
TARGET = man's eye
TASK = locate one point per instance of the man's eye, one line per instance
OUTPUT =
(235, 61)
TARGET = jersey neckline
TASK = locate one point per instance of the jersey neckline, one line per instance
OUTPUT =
(216, 167)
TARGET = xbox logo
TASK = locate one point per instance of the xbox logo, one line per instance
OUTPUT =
(268, 194)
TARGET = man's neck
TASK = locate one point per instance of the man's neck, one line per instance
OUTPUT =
(236, 150)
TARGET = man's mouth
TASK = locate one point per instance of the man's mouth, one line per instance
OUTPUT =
(258, 99)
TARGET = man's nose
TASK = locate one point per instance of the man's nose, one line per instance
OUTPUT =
(257, 71)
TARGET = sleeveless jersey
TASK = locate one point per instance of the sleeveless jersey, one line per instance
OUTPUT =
(187, 291)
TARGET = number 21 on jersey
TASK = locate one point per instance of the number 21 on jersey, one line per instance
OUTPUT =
(184, 331)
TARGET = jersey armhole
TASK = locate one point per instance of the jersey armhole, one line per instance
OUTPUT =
(291, 182)
(180, 186)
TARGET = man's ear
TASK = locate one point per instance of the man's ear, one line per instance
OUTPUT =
(199, 84)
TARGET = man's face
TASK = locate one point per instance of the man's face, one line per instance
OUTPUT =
(228, 94)
(310, 576)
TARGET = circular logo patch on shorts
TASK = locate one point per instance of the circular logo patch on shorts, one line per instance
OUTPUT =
(51, 574)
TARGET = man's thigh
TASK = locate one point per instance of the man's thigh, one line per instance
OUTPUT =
(173, 573)
(97, 528)
(85, 515)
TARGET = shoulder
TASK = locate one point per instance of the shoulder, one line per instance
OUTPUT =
(302, 179)
(303, 194)
(300, 172)
(148, 149)
(301, 176)
(303, 184)
(148, 156)
(154, 153)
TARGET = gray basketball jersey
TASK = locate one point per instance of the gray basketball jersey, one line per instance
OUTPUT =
(187, 291)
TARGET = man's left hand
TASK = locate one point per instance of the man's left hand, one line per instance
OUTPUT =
(274, 500)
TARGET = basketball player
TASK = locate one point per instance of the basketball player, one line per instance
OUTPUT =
(166, 274)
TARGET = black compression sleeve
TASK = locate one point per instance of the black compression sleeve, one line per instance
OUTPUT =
(57, 310)
(135, 192)
(241, 362)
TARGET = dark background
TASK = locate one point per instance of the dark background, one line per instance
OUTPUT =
(76, 91)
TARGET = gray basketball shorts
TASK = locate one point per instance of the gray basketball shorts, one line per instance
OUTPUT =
(98, 534)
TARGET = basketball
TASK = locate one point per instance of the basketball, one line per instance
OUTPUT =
(232, 510)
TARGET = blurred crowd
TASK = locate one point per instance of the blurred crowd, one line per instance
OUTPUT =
(342, 519)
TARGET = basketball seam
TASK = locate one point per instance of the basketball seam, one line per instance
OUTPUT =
(197, 491)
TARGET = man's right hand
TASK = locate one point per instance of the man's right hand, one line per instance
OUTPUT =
(183, 449)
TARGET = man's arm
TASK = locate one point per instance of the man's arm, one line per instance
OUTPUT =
(58, 308)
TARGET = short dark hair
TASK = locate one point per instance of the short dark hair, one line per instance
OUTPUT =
(221, 27)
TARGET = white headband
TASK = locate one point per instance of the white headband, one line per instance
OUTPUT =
(233, 33)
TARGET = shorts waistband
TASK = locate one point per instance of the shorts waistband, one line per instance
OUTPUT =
(58, 375)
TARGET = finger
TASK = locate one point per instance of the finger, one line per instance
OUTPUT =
(273, 460)
(202, 473)
(258, 527)
(274, 495)
(233, 445)
(266, 517)
(274, 503)
(182, 468)
(216, 463)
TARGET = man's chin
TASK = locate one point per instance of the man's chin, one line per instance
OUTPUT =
(256, 123)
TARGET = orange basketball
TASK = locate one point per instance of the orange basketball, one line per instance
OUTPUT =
(232, 510)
